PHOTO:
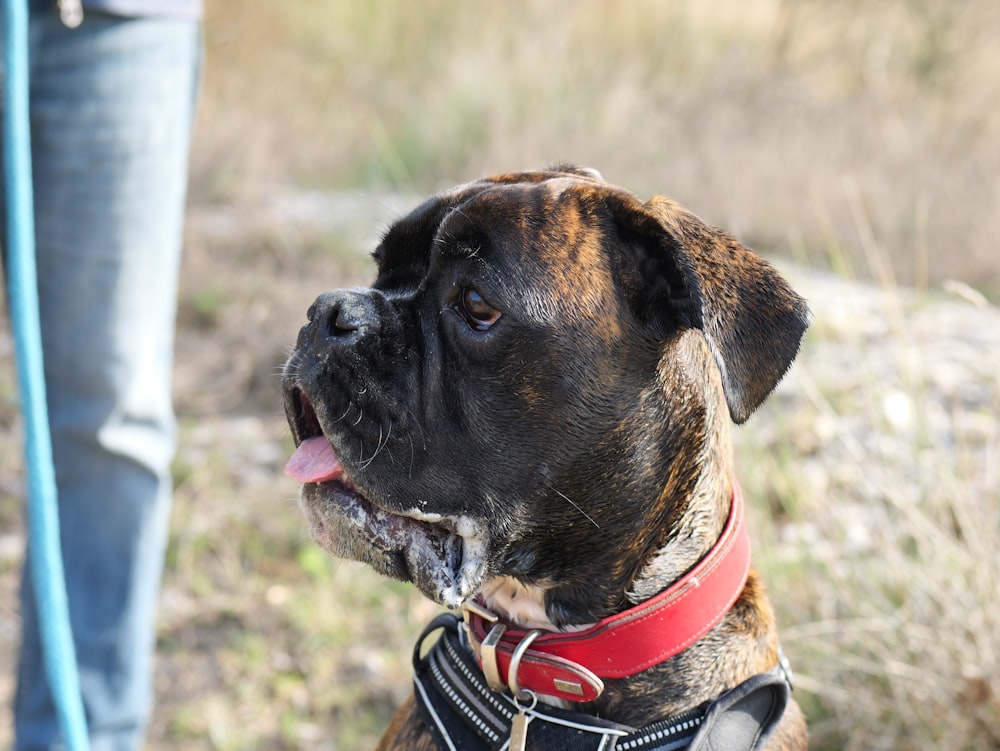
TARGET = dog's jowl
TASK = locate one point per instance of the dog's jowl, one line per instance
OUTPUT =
(527, 416)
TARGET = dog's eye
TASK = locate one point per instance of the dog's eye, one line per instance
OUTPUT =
(478, 313)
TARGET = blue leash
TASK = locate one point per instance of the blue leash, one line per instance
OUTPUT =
(43, 514)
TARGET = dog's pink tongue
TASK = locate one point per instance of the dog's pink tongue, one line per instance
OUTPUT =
(314, 461)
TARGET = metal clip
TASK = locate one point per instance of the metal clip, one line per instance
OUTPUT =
(469, 609)
(488, 655)
(518, 740)
(515, 665)
(472, 607)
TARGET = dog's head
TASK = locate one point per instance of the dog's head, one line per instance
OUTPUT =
(525, 373)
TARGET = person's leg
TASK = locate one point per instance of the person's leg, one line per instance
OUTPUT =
(112, 106)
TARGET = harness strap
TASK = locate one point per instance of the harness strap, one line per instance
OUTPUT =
(743, 718)
(464, 714)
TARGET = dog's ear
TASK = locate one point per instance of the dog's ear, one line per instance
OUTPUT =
(694, 275)
(403, 254)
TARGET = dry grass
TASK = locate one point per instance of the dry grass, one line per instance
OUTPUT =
(857, 136)
(805, 127)
(878, 465)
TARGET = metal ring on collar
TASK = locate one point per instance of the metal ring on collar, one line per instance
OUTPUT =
(515, 664)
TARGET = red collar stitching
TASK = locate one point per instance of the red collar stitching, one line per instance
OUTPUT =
(571, 665)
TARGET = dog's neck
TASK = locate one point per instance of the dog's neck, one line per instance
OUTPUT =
(700, 513)
(523, 605)
(697, 520)
(696, 529)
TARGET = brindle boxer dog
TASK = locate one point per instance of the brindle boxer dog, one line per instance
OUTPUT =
(530, 407)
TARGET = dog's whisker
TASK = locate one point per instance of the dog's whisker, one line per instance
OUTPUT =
(381, 444)
(364, 463)
(344, 416)
(423, 436)
(388, 435)
(574, 505)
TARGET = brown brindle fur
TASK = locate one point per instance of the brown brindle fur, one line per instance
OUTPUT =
(744, 644)
(687, 325)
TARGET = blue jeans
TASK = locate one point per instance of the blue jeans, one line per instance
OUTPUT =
(111, 112)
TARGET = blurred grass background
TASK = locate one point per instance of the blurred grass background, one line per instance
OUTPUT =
(806, 127)
(858, 138)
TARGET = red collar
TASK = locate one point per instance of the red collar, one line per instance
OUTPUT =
(571, 665)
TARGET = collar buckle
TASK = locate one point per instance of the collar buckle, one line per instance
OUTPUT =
(486, 649)
(509, 663)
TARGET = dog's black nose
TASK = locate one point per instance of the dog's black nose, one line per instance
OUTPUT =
(343, 314)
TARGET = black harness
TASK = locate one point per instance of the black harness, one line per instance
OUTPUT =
(464, 714)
